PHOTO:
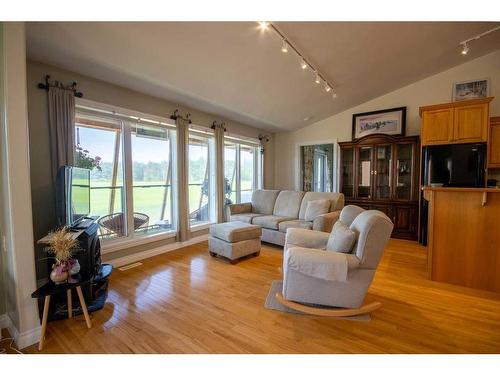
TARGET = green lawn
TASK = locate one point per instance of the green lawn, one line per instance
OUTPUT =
(147, 200)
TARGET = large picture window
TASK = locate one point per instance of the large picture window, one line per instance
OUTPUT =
(242, 170)
(131, 162)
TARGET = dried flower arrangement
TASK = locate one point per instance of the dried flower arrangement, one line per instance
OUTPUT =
(62, 245)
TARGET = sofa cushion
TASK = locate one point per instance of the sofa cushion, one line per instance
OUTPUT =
(284, 225)
(263, 201)
(246, 218)
(337, 201)
(270, 221)
(341, 239)
(235, 231)
(316, 208)
(288, 203)
(349, 213)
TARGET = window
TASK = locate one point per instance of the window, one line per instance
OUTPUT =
(99, 147)
(201, 178)
(152, 177)
(242, 169)
(116, 146)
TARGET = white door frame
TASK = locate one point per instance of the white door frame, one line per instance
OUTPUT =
(333, 141)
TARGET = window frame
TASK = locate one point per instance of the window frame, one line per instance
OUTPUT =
(127, 118)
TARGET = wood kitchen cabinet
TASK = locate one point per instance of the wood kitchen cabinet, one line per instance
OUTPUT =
(380, 172)
(457, 122)
(494, 143)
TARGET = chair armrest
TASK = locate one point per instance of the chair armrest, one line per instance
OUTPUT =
(320, 264)
(324, 223)
(239, 208)
(306, 238)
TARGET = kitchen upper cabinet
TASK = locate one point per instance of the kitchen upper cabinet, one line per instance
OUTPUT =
(438, 128)
(458, 122)
(494, 143)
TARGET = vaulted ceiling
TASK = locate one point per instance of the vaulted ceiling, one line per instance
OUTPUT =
(235, 70)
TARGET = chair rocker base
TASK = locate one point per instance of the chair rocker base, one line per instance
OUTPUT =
(333, 312)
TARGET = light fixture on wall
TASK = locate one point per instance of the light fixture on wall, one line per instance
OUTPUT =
(465, 44)
(288, 46)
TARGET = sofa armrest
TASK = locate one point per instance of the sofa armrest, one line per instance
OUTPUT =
(324, 223)
(320, 264)
(306, 238)
(239, 208)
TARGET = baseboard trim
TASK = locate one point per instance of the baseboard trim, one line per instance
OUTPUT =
(121, 261)
(22, 339)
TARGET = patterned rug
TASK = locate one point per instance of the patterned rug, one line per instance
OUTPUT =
(272, 304)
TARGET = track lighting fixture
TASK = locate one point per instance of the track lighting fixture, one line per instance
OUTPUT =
(465, 44)
(334, 95)
(284, 47)
(263, 25)
(287, 46)
(317, 79)
(465, 49)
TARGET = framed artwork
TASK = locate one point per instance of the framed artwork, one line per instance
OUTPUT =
(386, 121)
(479, 88)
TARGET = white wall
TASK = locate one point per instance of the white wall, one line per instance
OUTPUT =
(22, 312)
(432, 90)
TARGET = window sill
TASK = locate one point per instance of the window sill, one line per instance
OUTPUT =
(200, 226)
(124, 243)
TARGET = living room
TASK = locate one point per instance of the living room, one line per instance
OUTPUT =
(250, 187)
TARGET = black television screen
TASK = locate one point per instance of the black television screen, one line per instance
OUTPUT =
(73, 195)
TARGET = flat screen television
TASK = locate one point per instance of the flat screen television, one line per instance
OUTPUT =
(72, 195)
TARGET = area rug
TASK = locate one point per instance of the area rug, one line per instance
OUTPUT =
(272, 304)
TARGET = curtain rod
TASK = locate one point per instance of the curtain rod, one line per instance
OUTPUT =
(45, 86)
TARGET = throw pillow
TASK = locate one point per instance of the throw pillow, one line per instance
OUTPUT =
(316, 208)
(341, 239)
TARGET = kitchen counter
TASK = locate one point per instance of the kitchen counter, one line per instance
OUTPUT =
(464, 236)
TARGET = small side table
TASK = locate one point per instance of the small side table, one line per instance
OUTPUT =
(49, 289)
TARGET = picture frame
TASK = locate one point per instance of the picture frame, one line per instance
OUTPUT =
(472, 89)
(390, 121)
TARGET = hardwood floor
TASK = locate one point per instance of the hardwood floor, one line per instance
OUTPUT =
(187, 302)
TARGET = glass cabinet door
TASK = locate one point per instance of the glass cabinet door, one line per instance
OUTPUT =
(364, 172)
(348, 172)
(382, 171)
(404, 171)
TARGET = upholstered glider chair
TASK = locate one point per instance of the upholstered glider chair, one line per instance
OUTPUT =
(334, 269)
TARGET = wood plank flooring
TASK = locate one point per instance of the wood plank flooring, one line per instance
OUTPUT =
(187, 302)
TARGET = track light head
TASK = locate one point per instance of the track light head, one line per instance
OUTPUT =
(303, 64)
(317, 79)
(465, 48)
(284, 47)
(334, 95)
(263, 25)
(327, 87)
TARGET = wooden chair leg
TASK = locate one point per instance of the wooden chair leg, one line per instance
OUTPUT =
(44, 322)
(84, 307)
(70, 303)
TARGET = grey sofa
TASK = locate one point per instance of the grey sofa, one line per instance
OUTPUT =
(308, 267)
(276, 211)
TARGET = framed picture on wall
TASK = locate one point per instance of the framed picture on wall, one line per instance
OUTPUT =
(386, 121)
(479, 88)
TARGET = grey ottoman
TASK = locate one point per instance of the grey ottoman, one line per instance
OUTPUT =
(234, 240)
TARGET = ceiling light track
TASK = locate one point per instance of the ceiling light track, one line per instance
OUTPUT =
(465, 44)
(288, 46)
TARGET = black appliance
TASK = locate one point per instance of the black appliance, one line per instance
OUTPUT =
(72, 195)
(451, 166)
